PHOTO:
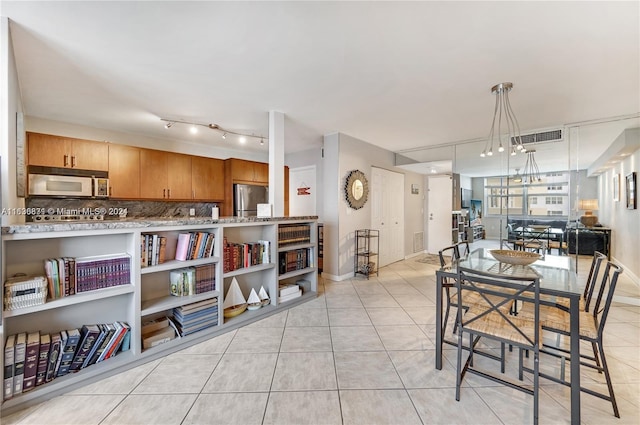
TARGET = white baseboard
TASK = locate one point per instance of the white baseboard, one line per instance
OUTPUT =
(337, 278)
(635, 279)
(415, 254)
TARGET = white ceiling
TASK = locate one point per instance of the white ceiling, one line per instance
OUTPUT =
(400, 75)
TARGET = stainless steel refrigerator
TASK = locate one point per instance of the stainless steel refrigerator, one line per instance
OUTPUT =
(246, 198)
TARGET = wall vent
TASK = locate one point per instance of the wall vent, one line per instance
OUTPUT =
(544, 136)
(418, 242)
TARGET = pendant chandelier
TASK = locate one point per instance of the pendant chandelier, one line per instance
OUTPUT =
(531, 173)
(505, 131)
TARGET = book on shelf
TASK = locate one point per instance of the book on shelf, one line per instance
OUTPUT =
(285, 289)
(122, 328)
(43, 358)
(19, 359)
(69, 341)
(102, 271)
(88, 337)
(154, 324)
(182, 282)
(194, 245)
(31, 361)
(54, 353)
(104, 333)
(288, 297)
(9, 367)
(291, 234)
(126, 341)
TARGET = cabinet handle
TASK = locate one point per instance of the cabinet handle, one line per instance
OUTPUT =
(110, 191)
(168, 193)
(73, 161)
(164, 193)
(193, 194)
(66, 160)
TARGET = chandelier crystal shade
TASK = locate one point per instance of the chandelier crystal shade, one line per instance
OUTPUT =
(505, 131)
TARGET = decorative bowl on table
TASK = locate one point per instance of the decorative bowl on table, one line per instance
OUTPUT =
(521, 258)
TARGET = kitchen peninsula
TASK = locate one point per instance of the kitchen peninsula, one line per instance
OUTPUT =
(146, 296)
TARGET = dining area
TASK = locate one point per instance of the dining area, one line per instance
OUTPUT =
(531, 310)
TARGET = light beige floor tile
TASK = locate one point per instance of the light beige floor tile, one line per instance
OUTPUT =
(417, 370)
(214, 345)
(369, 288)
(389, 316)
(306, 339)
(355, 338)
(412, 300)
(300, 408)
(308, 317)
(122, 383)
(348, 317)
(73, 409)
(318, 302)
(256, 340)
(277, 320)
(379, 300)
(304, 371)
(344, 301)
(228, 409)
(176, 374)
(165, 409)
(238, 372)
(377, 407)
(439, 406)
(339, 290)
(404, 337)
(366, 370)
(423, 315)
(18, 416)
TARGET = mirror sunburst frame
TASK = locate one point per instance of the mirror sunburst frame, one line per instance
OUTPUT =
(356, 189)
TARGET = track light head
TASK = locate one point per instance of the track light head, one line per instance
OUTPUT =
(224, 135)
(261, 141)
(168, 125)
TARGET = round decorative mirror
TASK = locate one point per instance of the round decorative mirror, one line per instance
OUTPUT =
(356, 189)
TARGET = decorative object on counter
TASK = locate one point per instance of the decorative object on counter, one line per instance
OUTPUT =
(521, 258)
(631, 190)
(265, 210)
(264, 297)
(253, 303)
(356, 189)
(588, 205)
(234, 302)
(193, 128)
(507, 128)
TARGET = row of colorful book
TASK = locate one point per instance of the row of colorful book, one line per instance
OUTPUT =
(240, 255)
(197, 316)
(192, 280)
(293, 260)
(194, 245)
(153, 249)
(289, 234)
(33, 359)
(67, 276)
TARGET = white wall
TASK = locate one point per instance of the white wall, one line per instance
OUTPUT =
(303, 191)
(304, 159)
(625, 223)
(10, 105)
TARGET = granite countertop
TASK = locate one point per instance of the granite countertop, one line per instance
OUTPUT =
(140, 222)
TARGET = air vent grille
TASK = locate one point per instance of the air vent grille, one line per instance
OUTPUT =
(545, 136)
(418, 241)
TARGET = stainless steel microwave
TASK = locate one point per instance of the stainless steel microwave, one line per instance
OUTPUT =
(68, 186)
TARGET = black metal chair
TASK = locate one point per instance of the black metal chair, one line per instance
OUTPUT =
(491, 319)
(447, 256)
(591, 330)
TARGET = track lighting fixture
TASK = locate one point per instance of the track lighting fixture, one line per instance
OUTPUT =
(194, 129)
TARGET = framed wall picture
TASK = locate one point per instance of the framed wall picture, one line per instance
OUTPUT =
(616, 187)
(632, 198)
(415, 190)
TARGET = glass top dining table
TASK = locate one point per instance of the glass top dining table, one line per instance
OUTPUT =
(557, 279)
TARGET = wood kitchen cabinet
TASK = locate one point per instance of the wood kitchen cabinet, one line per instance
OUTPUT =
(124, 171)
(65, 152)
(207, 179)
(164, 175)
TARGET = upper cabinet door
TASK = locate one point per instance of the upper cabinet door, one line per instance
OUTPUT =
(153, 174)
(207, 178)
(178, 176)
(49, 151)
(242, 171)
(124, 171)
(87, 155)
(261, 172)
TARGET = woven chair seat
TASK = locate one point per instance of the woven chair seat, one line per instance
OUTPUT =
(553, 318)
(496, 325)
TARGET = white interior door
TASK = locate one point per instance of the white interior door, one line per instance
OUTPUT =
(387, 213)
(438, 213)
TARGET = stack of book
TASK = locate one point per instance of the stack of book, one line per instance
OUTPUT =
(153, 249)
(192, 280)
(157, 331)
(240, 255)
(194, 317)
(288, 291)
(194, 245)
(298, 259)
(291, 234)
(33, 359)
(24, 291)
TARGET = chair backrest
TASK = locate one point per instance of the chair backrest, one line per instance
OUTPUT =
(592, 280)
(448, 255)
(605, 294)
(497, 293)
(463, 249)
